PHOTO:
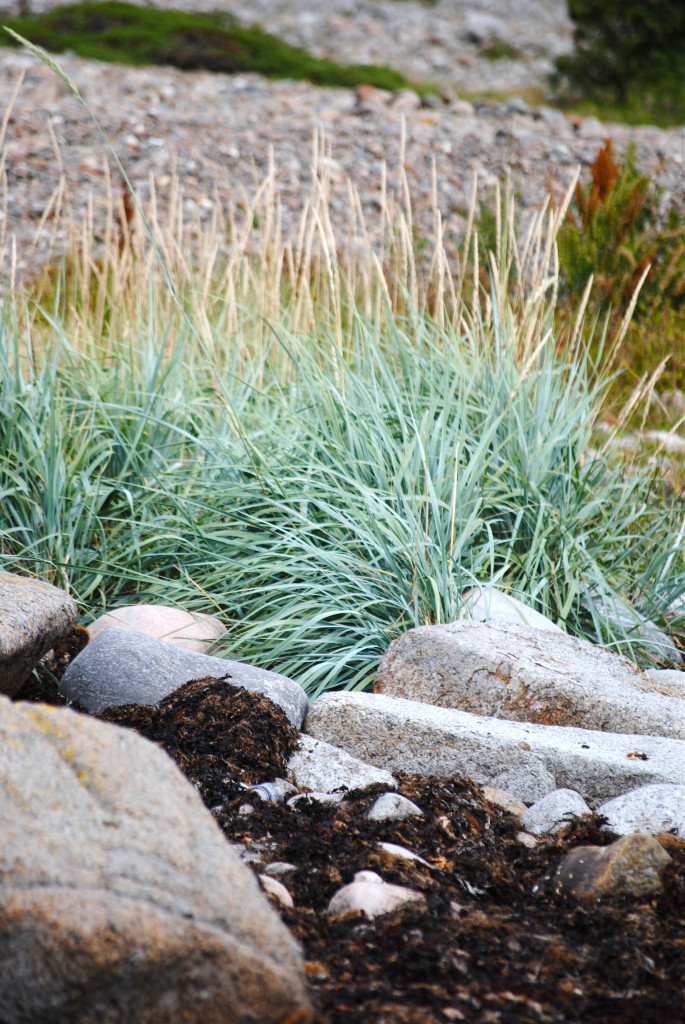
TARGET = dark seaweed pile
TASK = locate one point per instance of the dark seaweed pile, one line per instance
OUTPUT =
(494, 943)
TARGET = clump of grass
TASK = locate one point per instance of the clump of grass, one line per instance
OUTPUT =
(324, 450)
(500, 49)
(123, 33)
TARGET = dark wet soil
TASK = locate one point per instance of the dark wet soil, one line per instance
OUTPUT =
(494, 943)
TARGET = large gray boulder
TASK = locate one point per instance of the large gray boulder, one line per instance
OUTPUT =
(34, 616)
(122, 666)
(526, 675)
(120, 900)
(406, 735)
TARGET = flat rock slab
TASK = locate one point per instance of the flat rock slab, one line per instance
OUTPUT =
(399, 734)
(527, 675)
(34, 616)
(120, 899)
(122, 666)
(320, 766)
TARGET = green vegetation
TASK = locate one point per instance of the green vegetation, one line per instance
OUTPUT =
(628, 59)
(498, 49)
(324, 453)
(125, 34)
(613, 233)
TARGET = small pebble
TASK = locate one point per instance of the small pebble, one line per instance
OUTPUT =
(393, 807)
(369, 894)
(276, 889)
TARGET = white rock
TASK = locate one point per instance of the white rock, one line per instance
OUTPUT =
(485, 604)
(324, 768)
(554, 811)
(368, 894)
(401, 851)
(314, 798)
(393, 807)
(276, 889)
(191, 630)
(650, 809)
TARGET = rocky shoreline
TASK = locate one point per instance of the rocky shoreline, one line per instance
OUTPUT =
(214, 137)
(413, 849)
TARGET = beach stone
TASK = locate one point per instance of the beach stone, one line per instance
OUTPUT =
(406, 99)
(669, 681)
(403, 852)
(393, 807)
(526, 675)
(122, 666)
(34, 616)
(190, 630)
(650, 810)
(323, 767)
(485, 604)
(631, 866)
(507, 801)
(398, 734)
(526, 784)
(274, 888)
(554, 811)
(370, 895)
(120, 899)
(479, 27)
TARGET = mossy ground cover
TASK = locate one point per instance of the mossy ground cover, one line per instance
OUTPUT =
(122, 33)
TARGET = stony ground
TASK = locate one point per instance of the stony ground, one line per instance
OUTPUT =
(217, 131)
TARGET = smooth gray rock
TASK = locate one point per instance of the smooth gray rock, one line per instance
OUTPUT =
(669, 681)
(120, 899)
(526, 675)
(34, 616)
(485, 604)
(393, 807)
(122, 666)
(554, 811)
(325, 768)
(527, 784)
(650, 809)
(398, 734)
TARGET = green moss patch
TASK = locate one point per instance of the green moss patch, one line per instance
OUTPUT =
(120, 33)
